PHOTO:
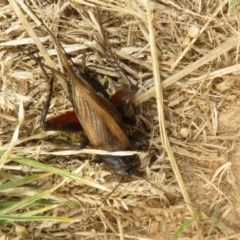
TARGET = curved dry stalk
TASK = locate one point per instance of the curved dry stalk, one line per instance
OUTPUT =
(160, 110)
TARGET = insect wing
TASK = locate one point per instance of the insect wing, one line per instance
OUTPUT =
(66, 122)
(95, 126)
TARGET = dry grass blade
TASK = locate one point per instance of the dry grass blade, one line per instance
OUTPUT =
(218, 10)
(218, 51)
(4, 157)
(31, 32)
(161, 115)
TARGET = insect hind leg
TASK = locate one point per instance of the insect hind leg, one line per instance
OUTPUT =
(103, 43)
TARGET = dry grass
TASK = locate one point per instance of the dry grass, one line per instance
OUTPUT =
(183, 56)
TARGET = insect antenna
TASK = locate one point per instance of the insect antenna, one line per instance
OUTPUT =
(105, 199)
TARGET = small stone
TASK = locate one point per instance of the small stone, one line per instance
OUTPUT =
(193, 31)
(184, 132)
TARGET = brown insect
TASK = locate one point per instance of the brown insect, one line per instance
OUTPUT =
(98, 117)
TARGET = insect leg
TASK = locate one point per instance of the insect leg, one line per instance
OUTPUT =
(110, 56)
(123, 99)
(65, 122)
(48, 98)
